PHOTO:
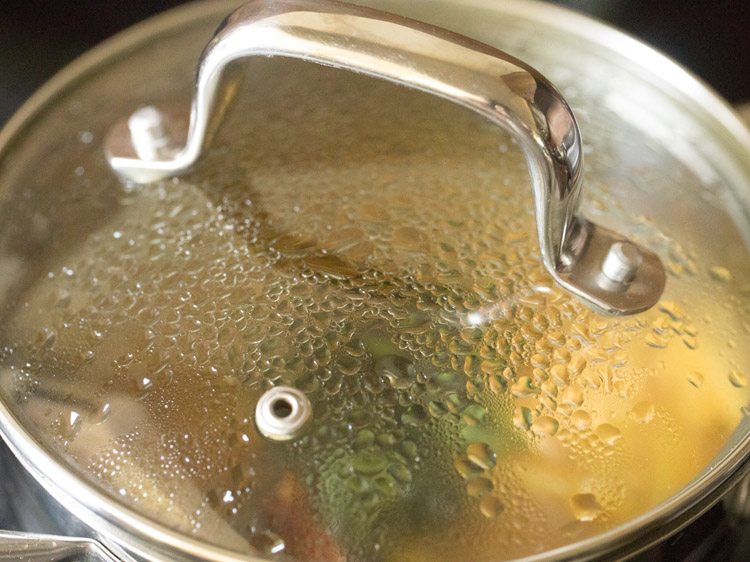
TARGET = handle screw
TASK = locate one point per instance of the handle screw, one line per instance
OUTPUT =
(148, 134)
(622, 262)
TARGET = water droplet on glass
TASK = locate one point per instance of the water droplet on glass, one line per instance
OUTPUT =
(74, 419)
(522, 418)
(490, 506)
(719, 273)
(643, 412)
(738, 378)
(656, 341)
(545, 425)
(671, 309)
(695, 378)
(585, 507)
(268, 542)
(400, 472)
(481, 455)
(369, 463)
(608, 433)
(523, 387)
(580, 419)
(478, 486)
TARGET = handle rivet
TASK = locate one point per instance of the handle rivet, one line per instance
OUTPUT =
(622, 262)
(283, 413)
(148, 133)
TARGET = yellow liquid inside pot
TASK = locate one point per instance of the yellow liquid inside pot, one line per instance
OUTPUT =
(377, 252)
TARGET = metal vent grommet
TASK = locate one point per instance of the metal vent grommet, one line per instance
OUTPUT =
(283, 413)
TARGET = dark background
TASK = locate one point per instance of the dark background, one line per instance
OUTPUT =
(37, 37)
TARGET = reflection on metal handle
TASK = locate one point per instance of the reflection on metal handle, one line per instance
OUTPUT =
(148, 146)
(29, 547)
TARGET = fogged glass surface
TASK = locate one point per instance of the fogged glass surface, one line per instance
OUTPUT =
(375, 248)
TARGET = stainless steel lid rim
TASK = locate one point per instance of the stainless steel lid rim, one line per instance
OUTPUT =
(120, 524)
(659, 523)
(123, 524)
(96, 509)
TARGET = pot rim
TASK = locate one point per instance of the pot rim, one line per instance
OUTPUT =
(152, 540)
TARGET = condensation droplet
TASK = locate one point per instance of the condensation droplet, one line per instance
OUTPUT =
(585, 507)
(695, 378)
(580, 419)
(719, 273)
(268, 542)
(545, 425)
(481, 455)
(490, 506)
(478, 486)
(738, 378)
(608, 433)
(369, 463)
(643, 412)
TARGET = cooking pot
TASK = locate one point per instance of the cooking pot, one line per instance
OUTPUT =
(320, 316)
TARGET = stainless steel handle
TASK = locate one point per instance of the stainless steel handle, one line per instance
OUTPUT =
(30, 547)
(601, 267)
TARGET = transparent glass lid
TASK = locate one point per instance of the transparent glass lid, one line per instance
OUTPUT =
(374, 248)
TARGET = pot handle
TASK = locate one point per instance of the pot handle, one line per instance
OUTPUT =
(32, 547)
(602, 268)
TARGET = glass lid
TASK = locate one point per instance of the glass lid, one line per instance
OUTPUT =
(361, 260)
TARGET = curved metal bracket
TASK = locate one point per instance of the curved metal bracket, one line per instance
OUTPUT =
(597, 265)
(32, 547)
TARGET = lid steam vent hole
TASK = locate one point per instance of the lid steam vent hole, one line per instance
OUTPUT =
(282, 408)
(283, 413)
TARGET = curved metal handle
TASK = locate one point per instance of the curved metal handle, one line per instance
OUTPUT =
(32, 547)
(599, 266)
